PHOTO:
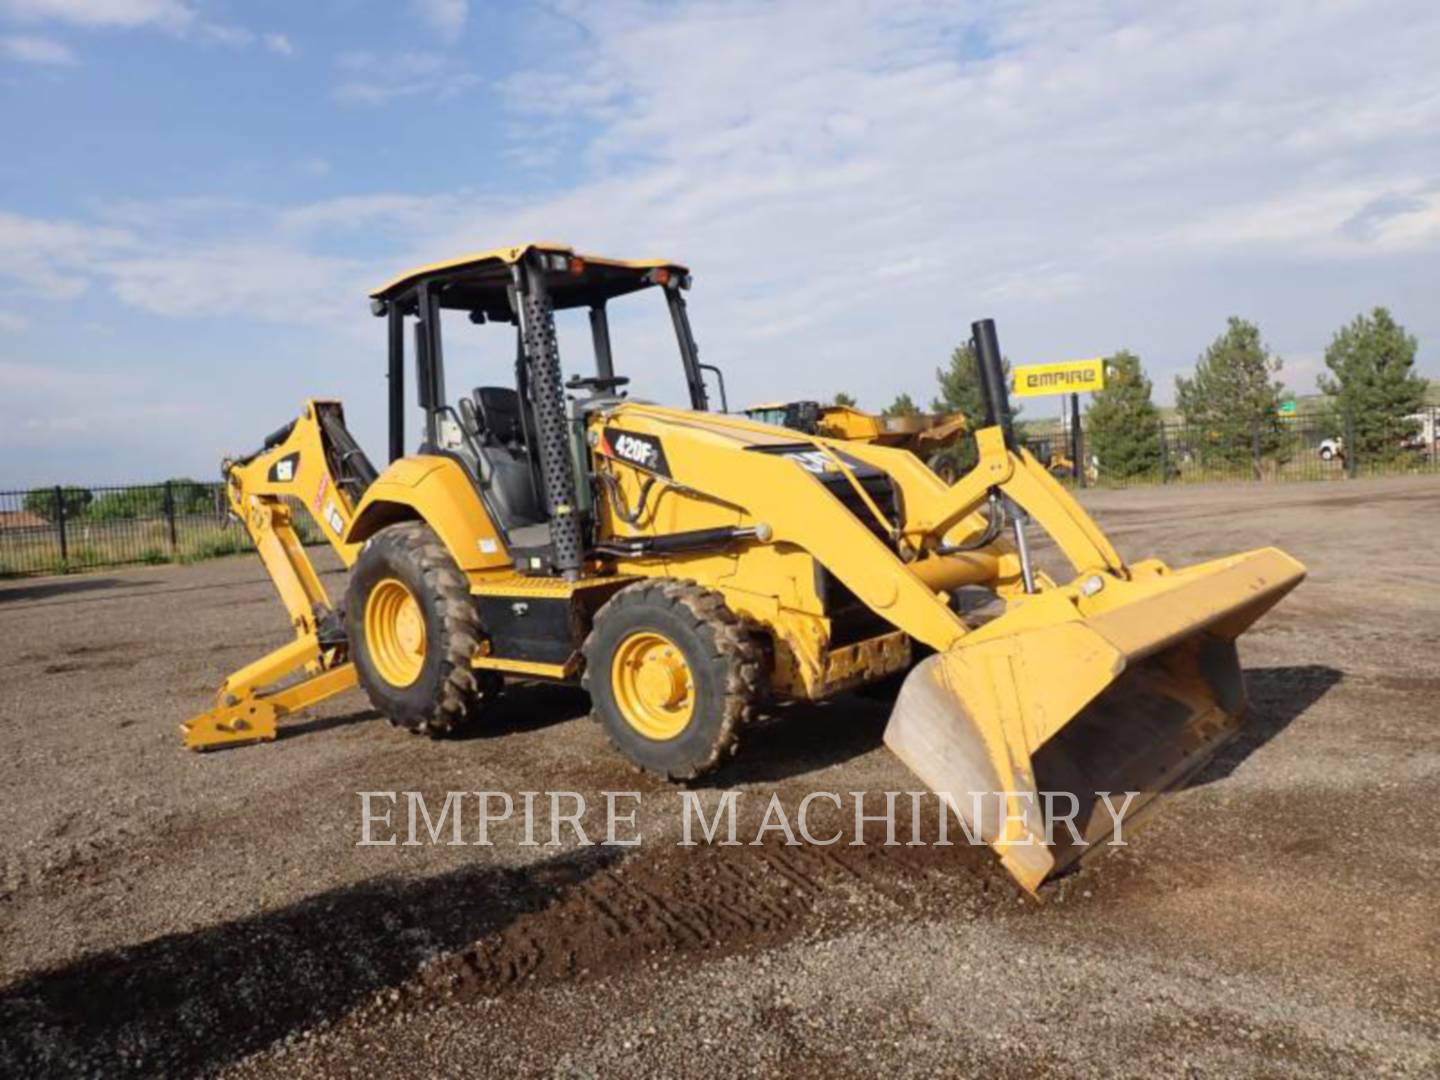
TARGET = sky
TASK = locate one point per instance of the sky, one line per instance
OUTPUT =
(197, 195)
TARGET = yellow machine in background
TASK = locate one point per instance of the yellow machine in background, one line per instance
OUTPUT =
(683, 565)
(926, 436)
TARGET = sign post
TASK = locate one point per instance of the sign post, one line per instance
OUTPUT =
(1076, 447)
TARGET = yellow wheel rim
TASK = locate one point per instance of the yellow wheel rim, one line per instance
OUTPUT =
(395, 632)
(654, 687)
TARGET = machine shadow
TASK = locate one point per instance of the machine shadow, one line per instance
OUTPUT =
(1278, 696)
(186, 1004)
(805, 737)
(528, 706)
(523, 707)
(316, 724)
(45, 589)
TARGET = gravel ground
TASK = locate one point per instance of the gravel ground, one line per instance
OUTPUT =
(165, 912)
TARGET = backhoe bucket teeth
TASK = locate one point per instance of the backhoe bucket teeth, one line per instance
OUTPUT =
(1036, 728)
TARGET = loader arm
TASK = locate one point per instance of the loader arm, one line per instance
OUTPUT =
(314, 462)
(1126, 679)
(933, 511)
(1123, 679)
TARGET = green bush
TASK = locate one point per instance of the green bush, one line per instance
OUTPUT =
(188, 497)
(129, 503)
(43, 502)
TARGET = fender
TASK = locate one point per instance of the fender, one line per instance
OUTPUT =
(437, 491)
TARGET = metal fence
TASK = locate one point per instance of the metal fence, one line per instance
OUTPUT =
(58, 529)
(1306, 447)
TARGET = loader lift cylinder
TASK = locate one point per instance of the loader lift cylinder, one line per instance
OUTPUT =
(552, 428)
(991, 369)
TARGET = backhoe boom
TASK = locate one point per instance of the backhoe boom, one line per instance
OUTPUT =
(315, 463)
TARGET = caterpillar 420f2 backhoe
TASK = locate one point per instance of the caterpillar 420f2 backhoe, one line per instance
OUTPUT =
(685, 564)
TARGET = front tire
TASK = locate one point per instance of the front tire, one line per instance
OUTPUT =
(943, 465)
(672, 675)
(413, 630)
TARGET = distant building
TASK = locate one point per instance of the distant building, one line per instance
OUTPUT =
(21, 519)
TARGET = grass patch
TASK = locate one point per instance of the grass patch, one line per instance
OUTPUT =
(212, 547)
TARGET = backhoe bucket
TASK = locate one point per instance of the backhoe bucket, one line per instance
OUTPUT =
(1037, 728)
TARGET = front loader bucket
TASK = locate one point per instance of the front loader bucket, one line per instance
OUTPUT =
(1036, 728)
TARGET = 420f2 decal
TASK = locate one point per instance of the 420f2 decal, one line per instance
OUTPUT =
(643, 451)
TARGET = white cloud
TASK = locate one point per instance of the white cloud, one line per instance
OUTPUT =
(27, 49)
(236, 37)
(279, 44)
(47, 404)
(1093, 175)
(1375, 218)
(257, 280)
(170, 14)
(54, 259)
(371, 79)
(380, 211)
(445, 17)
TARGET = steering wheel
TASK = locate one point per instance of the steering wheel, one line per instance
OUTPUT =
(597, 384)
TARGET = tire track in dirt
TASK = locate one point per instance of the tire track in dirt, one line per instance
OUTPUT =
(712, 901)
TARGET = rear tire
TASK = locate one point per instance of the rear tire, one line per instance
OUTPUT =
(413, 630)
(672, 675)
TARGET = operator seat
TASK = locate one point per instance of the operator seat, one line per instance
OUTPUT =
(501, 438)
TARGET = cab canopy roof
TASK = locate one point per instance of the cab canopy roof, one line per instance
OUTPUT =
(479, 282)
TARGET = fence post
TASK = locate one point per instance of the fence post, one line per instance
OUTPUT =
(170, 516)
(60, 520)
(1255, 448)
(1351, 450)
(1164, 456)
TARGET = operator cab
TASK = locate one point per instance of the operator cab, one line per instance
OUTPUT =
(522, 440)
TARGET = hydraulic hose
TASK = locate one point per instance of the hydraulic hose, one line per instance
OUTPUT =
(612, 489)
(994, 525)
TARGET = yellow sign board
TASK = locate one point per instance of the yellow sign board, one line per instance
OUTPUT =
(1066, 377)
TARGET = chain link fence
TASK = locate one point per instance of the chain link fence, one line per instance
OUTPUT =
(55, 530)
(1306, 447)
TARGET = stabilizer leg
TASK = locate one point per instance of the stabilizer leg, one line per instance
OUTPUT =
(246, 712)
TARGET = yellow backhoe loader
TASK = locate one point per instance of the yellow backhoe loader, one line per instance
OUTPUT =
(927, 436)
(684, 564)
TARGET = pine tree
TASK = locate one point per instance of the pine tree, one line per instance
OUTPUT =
(960, 392)
(1122, 424)
(1375, 387)
(1231, 402)
(843, 398)
(960, 386)
(903, 405)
